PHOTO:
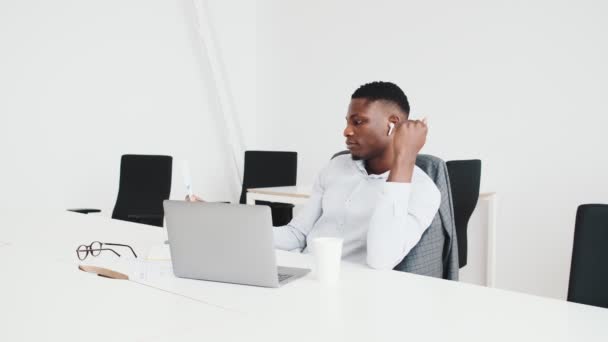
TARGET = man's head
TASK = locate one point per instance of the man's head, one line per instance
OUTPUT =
(372, 107)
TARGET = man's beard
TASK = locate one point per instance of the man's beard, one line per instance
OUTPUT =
(356, 157)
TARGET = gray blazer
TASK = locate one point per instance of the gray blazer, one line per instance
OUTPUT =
(436, 254)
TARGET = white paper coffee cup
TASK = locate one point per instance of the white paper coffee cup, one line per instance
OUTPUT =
(327, 253)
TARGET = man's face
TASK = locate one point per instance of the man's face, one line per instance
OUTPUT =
(366, 128)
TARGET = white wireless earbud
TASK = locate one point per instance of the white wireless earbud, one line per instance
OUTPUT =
(390, 128)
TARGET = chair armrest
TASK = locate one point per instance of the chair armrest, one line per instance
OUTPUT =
(85, 210)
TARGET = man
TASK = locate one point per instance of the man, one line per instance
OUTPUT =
(376, 198)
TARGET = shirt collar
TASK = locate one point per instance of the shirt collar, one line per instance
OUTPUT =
(360, 164)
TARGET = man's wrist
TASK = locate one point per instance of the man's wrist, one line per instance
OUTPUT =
(405, 158)
(402, 170)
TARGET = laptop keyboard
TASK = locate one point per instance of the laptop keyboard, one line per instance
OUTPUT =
(284, 276)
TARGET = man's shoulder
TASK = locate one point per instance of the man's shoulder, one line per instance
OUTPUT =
(342, 163)
(341, 159)
(339, 166)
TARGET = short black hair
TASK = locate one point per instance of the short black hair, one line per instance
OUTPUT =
(383, 91)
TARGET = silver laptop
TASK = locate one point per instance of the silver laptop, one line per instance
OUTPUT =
(230, 243)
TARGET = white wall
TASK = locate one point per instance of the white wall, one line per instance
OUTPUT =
(518, 84)
(83, 82)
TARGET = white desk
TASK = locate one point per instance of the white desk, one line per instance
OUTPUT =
(298, 195)
(44, 296)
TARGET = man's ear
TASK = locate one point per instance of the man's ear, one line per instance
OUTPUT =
(395, 118)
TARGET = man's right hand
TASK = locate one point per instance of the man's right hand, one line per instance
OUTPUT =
(409, 137)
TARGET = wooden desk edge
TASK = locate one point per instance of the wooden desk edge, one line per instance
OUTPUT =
(275, 193)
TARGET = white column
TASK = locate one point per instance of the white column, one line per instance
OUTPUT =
(229, 118)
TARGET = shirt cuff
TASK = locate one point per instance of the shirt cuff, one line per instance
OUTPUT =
(397, 196)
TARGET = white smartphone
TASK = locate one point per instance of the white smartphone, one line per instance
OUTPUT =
(186, 177)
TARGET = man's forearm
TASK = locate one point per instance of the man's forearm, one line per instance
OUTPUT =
(288, 238)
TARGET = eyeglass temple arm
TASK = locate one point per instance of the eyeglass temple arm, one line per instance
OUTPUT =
(105, 249)
(121, 245)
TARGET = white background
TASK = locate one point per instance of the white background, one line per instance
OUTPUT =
(518, 84)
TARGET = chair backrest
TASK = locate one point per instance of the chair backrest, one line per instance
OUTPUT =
(589, 270)
(268, 168)
(145, 182)
(436, 254)
(465, 176)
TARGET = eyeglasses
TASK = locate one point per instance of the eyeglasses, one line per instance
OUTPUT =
(96, 247)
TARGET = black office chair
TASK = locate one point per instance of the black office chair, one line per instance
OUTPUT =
(588, 270)
(268, 169)
(465, 176)
(145, 182)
